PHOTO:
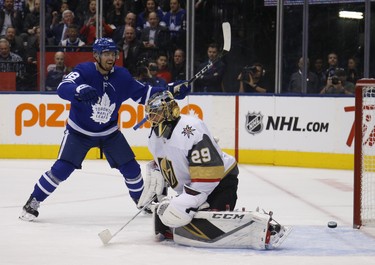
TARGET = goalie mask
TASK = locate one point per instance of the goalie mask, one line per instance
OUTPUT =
(163, 112)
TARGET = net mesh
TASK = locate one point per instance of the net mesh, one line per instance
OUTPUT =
(368, 157)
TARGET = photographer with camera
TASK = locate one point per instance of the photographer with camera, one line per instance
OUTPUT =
(252, 79)
(146, 73)
(337, 84)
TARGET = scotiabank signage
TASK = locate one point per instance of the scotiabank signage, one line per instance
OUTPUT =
(52, 115)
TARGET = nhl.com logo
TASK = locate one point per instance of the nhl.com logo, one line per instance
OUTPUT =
(254, 122)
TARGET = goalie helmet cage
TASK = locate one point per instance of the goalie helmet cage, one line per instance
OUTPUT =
(364, 154)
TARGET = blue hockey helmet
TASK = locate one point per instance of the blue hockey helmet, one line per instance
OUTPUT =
(104, 45)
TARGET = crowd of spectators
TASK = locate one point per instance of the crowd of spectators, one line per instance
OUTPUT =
(143, 31)
(151, 36)
(332, 79)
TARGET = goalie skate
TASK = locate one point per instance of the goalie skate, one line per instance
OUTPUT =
(278, 237)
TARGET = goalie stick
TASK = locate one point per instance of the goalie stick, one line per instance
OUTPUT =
(226, 48)
(106, 236)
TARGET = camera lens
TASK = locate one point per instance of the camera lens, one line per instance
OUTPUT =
(335, 80)
(153, 68)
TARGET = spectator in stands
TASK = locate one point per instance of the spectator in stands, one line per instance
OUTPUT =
(163, 69)
(10, 17)
(33, 46)
(90, 11)
(319, 71)
(88, 30)
(142, 18)
(332, 64)
(178, 68)
(147, 74)
(337, 84)
(11, 62)
(154, 38)
(211, 81)
(131, 48)
(156, 80)
(32, 19)
(55, 16)
(73, 43)
(19, 5)
(56, 72)
(129, 20)
(115, 15)
(175, 21)
(252, 79)
(58, 31)
(352, 70)
(16, 42)
(29, 6)
(295, 82)
(143, 75)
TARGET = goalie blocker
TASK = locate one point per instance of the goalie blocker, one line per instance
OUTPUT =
(226, 229)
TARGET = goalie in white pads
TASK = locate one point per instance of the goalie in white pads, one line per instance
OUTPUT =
(187, 157)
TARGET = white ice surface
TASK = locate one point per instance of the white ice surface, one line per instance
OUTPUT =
(95, 198)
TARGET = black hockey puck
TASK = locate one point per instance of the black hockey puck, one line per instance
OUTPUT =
(332, 224)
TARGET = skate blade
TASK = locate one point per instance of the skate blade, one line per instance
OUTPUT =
(25, 216)
(284, 235)
(286, 232)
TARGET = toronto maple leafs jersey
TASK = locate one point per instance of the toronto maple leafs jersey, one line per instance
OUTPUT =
(101, 119)
(190, 157)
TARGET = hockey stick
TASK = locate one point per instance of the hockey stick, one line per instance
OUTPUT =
(106, 235)
(226, 48)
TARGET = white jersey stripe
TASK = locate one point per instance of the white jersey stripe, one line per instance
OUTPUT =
(43, 189)
(46, 177)
(93, 134)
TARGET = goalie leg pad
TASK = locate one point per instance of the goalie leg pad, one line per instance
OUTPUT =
(162, 231)
(225, 230)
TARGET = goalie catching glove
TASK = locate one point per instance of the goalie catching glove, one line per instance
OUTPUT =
(153, 184)
(179, 89)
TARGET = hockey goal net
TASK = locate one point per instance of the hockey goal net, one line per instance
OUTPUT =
(364, 154)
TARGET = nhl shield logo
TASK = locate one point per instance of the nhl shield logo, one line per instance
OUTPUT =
(254, 122)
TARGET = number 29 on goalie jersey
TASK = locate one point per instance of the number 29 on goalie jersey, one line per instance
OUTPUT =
(191, 156)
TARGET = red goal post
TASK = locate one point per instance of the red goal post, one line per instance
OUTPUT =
(364, 154)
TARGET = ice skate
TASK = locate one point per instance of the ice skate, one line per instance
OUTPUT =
(30, 210)
(276, 235)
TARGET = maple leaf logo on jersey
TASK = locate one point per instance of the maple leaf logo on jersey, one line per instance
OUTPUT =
(102, 111)
(187, 131)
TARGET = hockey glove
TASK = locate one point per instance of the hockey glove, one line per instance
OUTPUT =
(153, 184)
(179, 89)
(86, 94)
(177, 211)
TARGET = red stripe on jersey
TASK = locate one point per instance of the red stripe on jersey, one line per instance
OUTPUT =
(205, 180)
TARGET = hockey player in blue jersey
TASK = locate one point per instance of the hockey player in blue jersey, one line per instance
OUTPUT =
(96, 91)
